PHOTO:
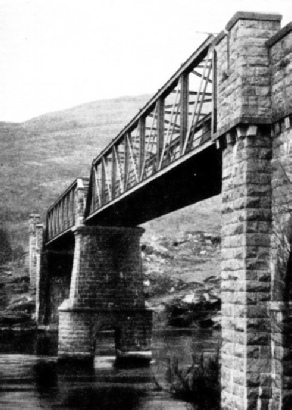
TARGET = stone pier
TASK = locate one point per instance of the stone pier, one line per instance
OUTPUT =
(35, 249)
(106, 292)
(244, 135)
(246, 220)
(280, 53)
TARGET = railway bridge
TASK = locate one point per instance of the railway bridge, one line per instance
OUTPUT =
(220, 124)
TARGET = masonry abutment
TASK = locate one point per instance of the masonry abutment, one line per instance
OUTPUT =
(281, 250)
(106, 288)
(244, 133)
(245, 270)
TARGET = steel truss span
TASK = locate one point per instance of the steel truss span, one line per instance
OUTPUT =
(176, 124)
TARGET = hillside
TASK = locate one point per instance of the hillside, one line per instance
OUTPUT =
(40, 157)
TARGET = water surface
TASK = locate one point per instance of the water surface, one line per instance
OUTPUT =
(31, 378)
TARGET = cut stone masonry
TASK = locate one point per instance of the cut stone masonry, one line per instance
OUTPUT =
(106, 290)
(254, 109)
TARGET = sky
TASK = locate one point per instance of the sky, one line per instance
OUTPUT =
(55, 54)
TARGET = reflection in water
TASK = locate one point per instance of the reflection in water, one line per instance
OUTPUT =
(124, 398)
(45, 376)
(34, 379)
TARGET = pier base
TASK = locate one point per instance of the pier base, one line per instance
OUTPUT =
(78, 329)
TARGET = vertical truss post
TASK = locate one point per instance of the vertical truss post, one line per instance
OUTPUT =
(93, 194)
(103, 183)
(214, 92)
(53, 223)
(160, 129)
(59, 217)
(184, 112)
(142, 128)
(73, 207)
(56, 220)
(97, 188)
(70, 207)
(126, 162)
(63, 214)
(114, 173)
(49, 230)
(67, 211)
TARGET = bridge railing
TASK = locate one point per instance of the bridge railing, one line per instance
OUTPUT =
(68, 210)
(179, 118)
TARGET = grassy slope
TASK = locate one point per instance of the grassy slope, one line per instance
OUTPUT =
(40, 157)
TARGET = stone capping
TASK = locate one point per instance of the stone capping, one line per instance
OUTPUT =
(240, 130)
(248, 15)
(251, 121)
(279, 35)
(104, 310)
(91, 229)
(243, 120)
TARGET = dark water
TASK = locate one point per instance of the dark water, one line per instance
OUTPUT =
(31, 378)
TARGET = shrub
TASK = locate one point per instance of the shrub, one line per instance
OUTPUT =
(198, 383)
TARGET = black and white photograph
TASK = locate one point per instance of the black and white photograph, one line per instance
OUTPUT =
(146, 204)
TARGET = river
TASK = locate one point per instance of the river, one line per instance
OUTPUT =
(31, 378)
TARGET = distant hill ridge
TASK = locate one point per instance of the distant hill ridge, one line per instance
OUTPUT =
(40, 157)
